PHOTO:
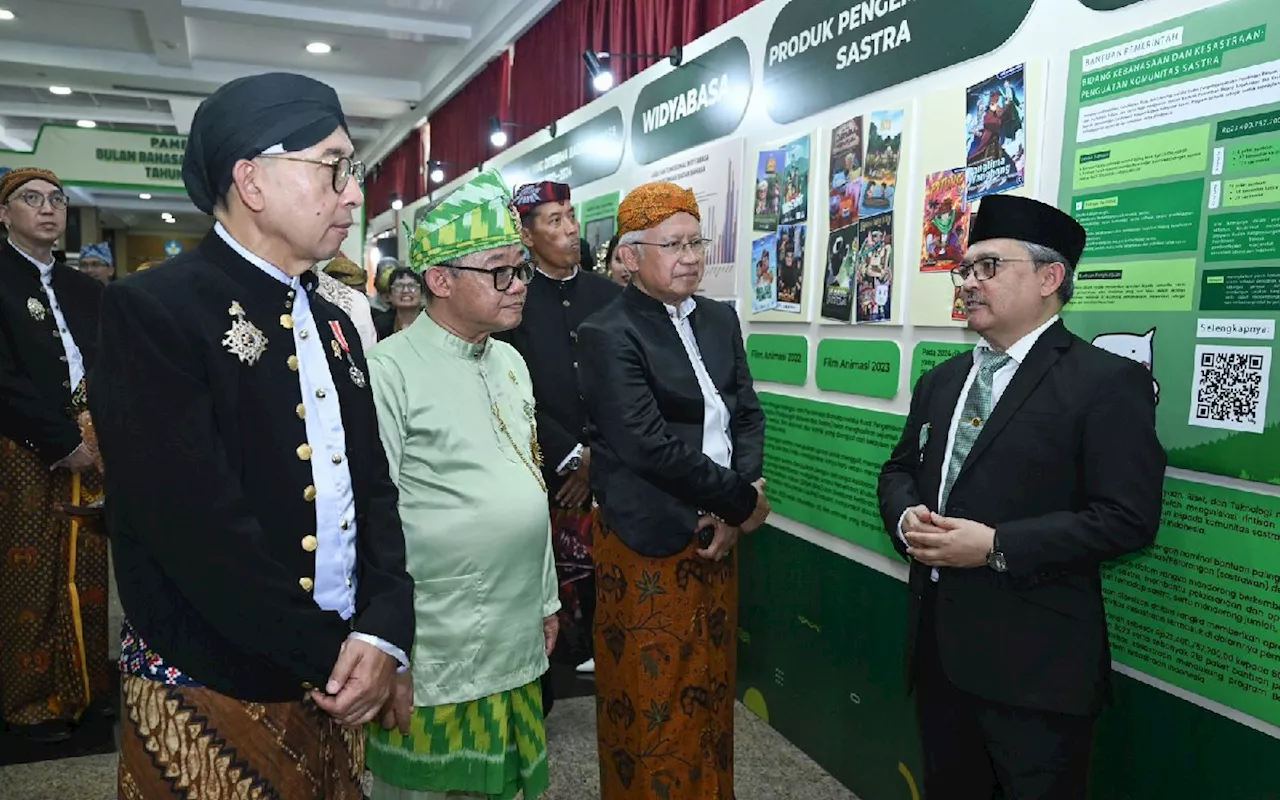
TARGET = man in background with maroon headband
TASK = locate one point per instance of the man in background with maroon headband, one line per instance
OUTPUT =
(560, 297)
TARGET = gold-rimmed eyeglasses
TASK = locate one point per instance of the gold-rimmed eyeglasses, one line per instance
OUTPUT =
(698, 247)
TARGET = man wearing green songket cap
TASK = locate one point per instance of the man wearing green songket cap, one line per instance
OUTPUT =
(456, 416)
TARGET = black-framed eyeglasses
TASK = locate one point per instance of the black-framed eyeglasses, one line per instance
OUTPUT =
(503, 276)
(344, 168)
(37, 200)
(983, 269)
(698, 247)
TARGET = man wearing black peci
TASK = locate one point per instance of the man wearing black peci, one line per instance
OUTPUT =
(1023, 466)
(259, 550)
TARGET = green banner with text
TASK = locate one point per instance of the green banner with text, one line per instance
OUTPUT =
(856, 366)
(778, 359)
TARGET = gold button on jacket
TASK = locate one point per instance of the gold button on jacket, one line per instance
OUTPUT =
(293, 363)
(304, 452)
(310, 543)
(306, 583)
(309, 494)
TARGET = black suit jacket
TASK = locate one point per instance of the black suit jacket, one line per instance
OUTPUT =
(205, 483)
(35, 386)
(1069, 472)
(645, 406)
(547, 338)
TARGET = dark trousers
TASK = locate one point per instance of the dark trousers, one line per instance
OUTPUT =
(975, 749)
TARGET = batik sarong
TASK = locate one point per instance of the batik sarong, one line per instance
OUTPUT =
(571, 532)
(666, 666)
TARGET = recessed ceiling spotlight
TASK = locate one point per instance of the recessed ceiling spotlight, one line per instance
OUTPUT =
(319, 48)
(86, 123)
(5, 15)
(144, 196)
(62, 90)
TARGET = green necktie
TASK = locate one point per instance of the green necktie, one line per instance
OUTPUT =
(977, 407)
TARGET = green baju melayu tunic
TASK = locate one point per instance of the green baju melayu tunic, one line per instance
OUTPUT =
(456, 420)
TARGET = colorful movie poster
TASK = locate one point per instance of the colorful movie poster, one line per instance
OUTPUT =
(791, 246)
(997, 159)
(846, 174)
(795, 183)
(874, 289)
(768, 202)
(880, 169)
(946, 221)
(958, 311)
(764, 274)
(837, 290)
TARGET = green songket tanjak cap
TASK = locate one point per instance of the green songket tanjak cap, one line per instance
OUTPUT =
(477, 217)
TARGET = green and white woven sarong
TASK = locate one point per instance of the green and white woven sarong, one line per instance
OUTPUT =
(493, 748)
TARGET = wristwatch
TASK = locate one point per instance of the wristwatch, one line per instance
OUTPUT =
(995, 559)
(573, 464)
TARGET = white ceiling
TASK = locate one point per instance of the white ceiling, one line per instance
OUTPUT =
(146, 64)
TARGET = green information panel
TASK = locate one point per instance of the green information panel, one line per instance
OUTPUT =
(1171, 161)
(855, 366)
(928, 355)
(1201, 609)
(823, 461)
(778, 359)
(603, 207)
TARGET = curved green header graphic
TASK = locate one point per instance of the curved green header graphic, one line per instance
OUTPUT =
(589, 152)
(824, 53)
(702, 100)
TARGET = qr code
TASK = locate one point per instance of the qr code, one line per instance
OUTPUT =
(1229, 390)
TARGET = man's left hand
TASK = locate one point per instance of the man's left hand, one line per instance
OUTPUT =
(963, 544)
(359, 685)
(550, 631)
(575, 490)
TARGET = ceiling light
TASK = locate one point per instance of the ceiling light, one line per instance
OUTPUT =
(171, 220)
(437, 173)
(497, 136)
(319, 48)
(144, 196)
(601, 78)
(396, 202)
(62, 90)
(5, 14)
(166, 216)
(86, 123)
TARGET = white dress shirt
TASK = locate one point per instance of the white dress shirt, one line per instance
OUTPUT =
(335, 576)
(999, 383)
(75, 361)
(717, 444)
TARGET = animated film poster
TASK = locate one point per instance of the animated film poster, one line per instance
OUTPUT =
(791, 245)
(946, 221)
(768, 199)
(764, 274)
(795, 183)
(997, 159)
(880, 168)
(846, 174)
(958, 311)
(874, 270)
(837, 290)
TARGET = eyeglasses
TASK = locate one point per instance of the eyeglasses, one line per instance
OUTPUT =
(698, 247)
(344, 169)
(36, 200)
(503, 276)
(983, 269)
(405, 286)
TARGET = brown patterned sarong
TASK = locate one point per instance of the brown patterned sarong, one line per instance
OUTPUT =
(182, 742)
(666, 666)
(53, 630)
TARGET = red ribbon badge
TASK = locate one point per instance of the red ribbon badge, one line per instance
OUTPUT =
(336, 327)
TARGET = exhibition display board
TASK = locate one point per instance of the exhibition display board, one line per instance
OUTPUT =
(839, 151)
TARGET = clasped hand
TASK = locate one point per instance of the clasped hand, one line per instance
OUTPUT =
(359, 685)
(946, 541)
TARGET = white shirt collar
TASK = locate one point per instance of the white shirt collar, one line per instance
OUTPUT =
(681, 312)
(45, 269)
(1021, 348)
(558, 280)
(260, 263)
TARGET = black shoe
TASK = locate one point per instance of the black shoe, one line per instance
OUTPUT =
(51, 732)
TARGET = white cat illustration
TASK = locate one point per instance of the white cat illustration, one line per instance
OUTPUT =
(1133, 346)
